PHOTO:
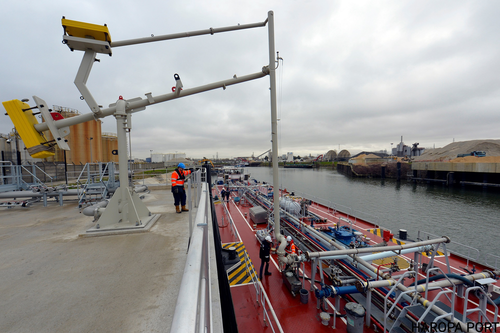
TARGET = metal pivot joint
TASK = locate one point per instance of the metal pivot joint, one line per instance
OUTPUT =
(178, 84)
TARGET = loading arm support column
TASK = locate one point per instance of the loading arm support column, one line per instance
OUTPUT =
(121, 134)
(125, 209)
(274, 129)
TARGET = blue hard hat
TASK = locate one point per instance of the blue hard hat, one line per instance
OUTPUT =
(181, 165)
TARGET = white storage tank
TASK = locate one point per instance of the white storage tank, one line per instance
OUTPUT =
(290, 206)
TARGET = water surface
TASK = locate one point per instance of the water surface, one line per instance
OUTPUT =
(468, 216)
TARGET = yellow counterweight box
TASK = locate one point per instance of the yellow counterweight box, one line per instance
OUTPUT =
(24, 121)
(86, 30)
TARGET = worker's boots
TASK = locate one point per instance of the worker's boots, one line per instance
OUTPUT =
(184, 209)
(177, 209)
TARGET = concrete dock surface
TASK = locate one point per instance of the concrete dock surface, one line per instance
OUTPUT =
(53, 280)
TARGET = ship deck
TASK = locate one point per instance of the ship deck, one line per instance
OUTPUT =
(53, 280)
(292, 314)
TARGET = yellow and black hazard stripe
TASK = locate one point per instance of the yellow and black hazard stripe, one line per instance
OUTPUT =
(379, 232)
(241, 274)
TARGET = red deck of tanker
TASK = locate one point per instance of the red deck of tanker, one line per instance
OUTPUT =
(293, 314)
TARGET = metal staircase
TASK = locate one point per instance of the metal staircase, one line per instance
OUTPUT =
(418, 318)
(96, 182)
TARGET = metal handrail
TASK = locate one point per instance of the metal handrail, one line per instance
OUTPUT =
(80, 190)
(34, 176)
(230, 220)
(89, 175)
(193, 307)
(386, 298)
(81, 172)
(13, 175)
(429, 270)
(429, 308)
(492, 256)
(251, 271)
(190, 315)
(349, 211)
(231, 224)
(264, 300)
(261, 295)
(478, 309)
(16, 175)
(467, 256)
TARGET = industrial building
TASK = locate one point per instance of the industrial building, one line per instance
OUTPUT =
(403, 150)
(158, 158)
(9, 148)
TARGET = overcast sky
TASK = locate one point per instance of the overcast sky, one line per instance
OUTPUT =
(355, 74)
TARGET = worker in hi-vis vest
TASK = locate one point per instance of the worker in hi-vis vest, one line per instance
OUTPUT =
(178, 177)
(290, 247)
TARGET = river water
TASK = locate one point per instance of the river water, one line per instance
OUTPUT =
(470, 217)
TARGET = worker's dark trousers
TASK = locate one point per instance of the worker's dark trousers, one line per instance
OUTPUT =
(179, 195)
(262, 266)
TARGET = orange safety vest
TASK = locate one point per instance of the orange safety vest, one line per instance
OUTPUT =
(179, 176)
(290, 248)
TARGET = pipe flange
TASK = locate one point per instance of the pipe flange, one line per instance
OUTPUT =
(492, 273)
(361, 286)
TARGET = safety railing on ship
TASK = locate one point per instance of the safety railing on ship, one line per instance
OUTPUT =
(193, 311)
(480, 312)
(351, 214)
(492, 260)
(471, 253)
(230, 222)
(434, 271)
(450, 314)
(251, 271)
(265, 302)
(411, 295)
(195, 181)
(270, 318)
(198, 177)
(467, 252)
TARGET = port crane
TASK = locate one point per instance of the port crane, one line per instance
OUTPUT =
(319, 158)
(267, 151)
